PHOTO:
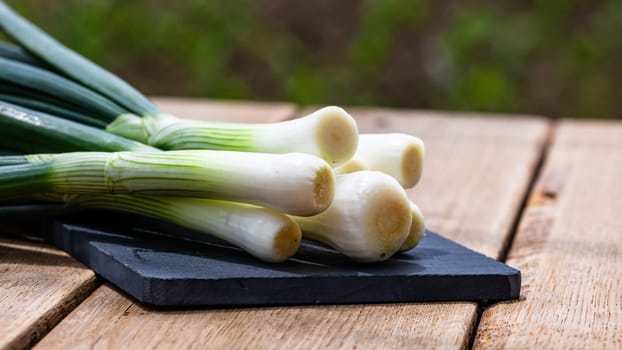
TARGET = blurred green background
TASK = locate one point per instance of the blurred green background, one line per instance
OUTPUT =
(551, 57)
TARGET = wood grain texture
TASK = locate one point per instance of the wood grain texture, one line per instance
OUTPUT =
(569, 249)
(476, 173)
(230, 111)
(110, 320)
(38, 287)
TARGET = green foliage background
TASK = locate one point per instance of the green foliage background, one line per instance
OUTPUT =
(552, 57)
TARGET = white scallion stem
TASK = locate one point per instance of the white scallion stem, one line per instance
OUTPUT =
(368, 220)
(399, 155)
(329, 133)
(264, 233)
(298, 184)
(354, 164)
(417, 229)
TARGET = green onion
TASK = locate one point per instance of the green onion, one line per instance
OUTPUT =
(352, 165)
(15, 159)
(7, 88)
(264, 233)
(417, 229)
(45, 103)
(63, 89)
(50, 108)
(369, 218)
(329, 133)
(297, 184)
(21, 211)
(399, 155)
(16, 53)
(27, 131)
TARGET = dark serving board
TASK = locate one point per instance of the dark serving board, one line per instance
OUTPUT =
(138, 257)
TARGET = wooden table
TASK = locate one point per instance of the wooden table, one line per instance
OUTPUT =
(544, 196)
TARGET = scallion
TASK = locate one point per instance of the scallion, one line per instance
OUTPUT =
(27, 131)
(10, 51)
(399, 155)
(417, 229)
(369, 218)
(46, 82)
(329, 133)
(264, 233)
(298, 184)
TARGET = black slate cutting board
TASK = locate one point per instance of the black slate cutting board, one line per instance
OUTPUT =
(139, 257)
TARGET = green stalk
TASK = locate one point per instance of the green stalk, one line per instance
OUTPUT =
(16, 53)
(25, 92)
(28, 131)
(72, 64)
(45, 103)
(24, 179)
(53, 109)
(13, 160)
(417, 229)
(27, 211)
(297, 184)
(46, 82)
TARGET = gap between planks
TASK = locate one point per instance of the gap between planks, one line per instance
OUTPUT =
(39, 286)
(569, 247)
(515, 225)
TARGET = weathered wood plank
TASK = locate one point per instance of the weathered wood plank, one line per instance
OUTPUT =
(38, 287)
(110, 320)
(476, 173)
(569, 249)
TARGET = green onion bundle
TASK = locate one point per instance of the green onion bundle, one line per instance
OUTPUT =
(74, 135)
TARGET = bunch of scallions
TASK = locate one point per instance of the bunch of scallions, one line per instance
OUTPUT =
(73, 134)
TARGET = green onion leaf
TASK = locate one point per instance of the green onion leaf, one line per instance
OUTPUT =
(28, 131)
(72, 64)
